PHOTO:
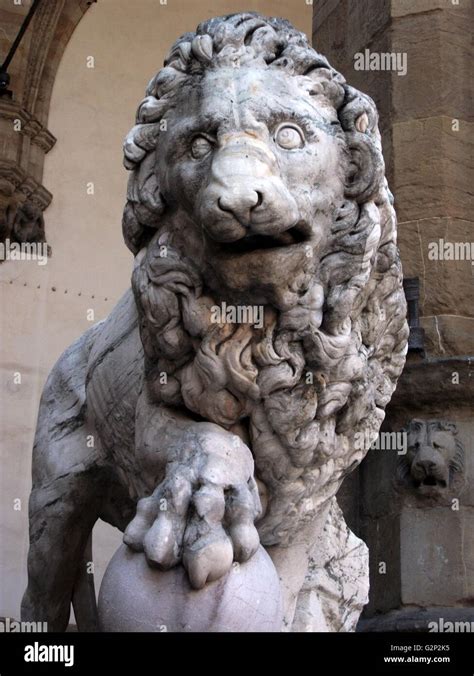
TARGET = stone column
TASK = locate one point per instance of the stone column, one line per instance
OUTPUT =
(425, 103)
(24, 136)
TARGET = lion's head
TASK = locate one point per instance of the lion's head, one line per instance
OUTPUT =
(434, 461)
(258, 178)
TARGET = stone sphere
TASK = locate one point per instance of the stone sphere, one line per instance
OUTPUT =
(135, 597)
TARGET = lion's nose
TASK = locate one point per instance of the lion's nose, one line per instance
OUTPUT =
(425, 466)
(240, 203)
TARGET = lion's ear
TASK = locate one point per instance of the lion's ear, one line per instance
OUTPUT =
(145, 205)
(366, 168)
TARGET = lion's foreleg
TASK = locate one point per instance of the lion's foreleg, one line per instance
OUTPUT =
(204, 497)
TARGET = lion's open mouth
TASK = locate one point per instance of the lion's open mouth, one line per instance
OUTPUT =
(431, 481)
(295, 235)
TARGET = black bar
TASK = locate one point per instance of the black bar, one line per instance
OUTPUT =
(396, 654)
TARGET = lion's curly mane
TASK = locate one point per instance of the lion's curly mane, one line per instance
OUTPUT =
(319, 371)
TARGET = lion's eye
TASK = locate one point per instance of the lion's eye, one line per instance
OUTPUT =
(289, 137)
(200, 147)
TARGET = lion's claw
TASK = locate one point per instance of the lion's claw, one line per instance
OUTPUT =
(205, 525)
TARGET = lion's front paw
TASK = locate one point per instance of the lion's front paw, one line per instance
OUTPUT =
(202, 514)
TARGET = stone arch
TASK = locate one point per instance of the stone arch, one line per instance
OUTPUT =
(24, 115)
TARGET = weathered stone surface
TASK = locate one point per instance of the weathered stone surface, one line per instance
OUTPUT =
(348, 497)
(246, 599)
(433, 169)
(410, 7)
(438, 385)
(257, 188)
(344, 28)
(448, 334)
(466, 433)
(433, 541)
(321, 11)
(427, 246)
(336, 587)
(437, 49)
(376, 482)
(383, 533)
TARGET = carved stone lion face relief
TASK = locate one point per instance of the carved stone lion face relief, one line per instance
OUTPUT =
(258, 178)
(434, 461)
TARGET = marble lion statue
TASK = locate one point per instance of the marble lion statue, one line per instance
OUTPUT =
(257, 182)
